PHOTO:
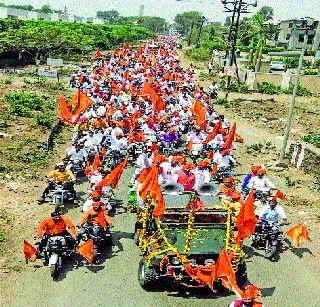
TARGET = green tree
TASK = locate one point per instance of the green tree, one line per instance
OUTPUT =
(154, 24)
(228, 22)
(267, 12)
(108, 16)
(184, 20)
(45, 9)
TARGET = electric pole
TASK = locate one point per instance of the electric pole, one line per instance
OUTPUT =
(236, 7)
(293, 100)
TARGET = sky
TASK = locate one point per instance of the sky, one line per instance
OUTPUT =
(211, 9)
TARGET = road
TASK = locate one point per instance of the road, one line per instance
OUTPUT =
(289, 282)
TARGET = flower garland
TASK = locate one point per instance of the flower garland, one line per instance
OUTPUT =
(190, 232)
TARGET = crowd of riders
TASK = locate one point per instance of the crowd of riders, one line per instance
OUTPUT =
(143, 104)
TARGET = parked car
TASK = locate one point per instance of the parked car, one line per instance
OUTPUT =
(277, 66)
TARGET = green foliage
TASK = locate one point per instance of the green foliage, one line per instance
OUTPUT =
(30, 105)
(152, 23)
(239, 88)
(302, 91)
(199, 54)
(312, 72)
(45, 120)
(186, 19)
(23, 104)
(313, 139)
(39, 38)
(269, 88)
(108, 16)
(293, 62)
(266, 12)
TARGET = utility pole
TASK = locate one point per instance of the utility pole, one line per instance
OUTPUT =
(200, 31)
(236, 7)
(293, 100)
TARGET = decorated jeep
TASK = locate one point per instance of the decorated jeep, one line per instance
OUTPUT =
(182, 235)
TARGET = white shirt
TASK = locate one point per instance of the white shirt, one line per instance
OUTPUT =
(74, 155)
(222, 161)
(201, 177)
(261, 184)
(272, 215)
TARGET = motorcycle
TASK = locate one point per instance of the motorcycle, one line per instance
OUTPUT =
(60, 195)
(101, 237)
(77, 168)
(267, 236)
(55, 251)
(136, 149)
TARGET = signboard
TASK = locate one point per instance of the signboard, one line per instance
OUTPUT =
(54, 62)
(47, 73)
(297, 155)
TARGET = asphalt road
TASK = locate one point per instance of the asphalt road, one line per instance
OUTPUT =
(289, 282)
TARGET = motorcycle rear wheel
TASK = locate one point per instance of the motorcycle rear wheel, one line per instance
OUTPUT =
(270, 250)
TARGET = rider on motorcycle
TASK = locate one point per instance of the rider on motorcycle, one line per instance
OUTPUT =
(56, 225)
(96, 215)
(60, 175)
(270, 213)
(261, 182)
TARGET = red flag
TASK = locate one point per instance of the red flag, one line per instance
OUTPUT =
(159, 105)
(64, 111)
(86, 250)
(202, 274)
(30, 252)
(238, 138)
(96, 162)
(214, 132)
(230, 136)
(113, 178)
(298, 232)
(148, 90)
(246, 219)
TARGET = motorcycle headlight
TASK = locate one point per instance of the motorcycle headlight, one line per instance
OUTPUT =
(175, 260)
(193, 261)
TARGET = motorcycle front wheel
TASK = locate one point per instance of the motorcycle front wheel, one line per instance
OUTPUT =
(270, 250)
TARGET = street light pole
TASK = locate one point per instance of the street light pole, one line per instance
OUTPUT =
(293, 100)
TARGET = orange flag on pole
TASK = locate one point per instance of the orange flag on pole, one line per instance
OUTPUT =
(113, 178)
(279, 195)
(30, 251)
(96, 162)
(246, 219)
(298, 232)
(230, 136)
(214, 132)
(84, 102)
(64, 111)
(86, 250)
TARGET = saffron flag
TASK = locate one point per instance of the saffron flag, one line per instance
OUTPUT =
(279, 195)
(30, 252)
(214, 132)
(230, 136)
(113, 178)
(298, 232)
(246, 219)
(83, 103)
(86, 250)
(64, 112)
(96, 162)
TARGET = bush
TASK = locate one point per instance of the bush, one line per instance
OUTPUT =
(199, 54)
(23, 104)
(239, 88)
(46, 120)
(311, 72)
(302, 91)
(268, 88)
(313, 139)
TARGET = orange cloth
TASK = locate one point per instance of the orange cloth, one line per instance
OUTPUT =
(64, 111)
(30, 252)
(86, 250)
(298, 232)
(48, 226)
(246, 220)
(230, 136)
(214, 132)
(101, 217)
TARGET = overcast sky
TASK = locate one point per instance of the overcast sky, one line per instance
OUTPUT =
(212, 9)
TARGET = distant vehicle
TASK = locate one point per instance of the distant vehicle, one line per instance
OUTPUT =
(277, 66)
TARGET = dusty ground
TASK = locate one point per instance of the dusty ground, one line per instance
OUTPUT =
(292, 281)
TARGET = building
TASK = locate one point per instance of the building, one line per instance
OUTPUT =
(292, 32)
(8, 12)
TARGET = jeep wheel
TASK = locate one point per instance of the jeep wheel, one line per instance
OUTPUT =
(241, 276)
(148, 276)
